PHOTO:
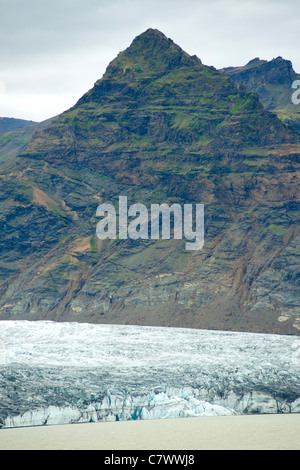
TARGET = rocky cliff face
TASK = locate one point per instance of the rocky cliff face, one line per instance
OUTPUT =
(158, 127)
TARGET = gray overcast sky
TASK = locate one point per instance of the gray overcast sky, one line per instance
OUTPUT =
(52, 51)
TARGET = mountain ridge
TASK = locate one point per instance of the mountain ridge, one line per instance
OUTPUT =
(11, 124)
(272, 81)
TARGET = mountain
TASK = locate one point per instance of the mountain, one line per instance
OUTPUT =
(11, 124)
(272, 81)
(158, 127)
(14, 141)
(154, 97)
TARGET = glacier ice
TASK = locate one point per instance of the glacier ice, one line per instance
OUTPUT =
(61, 373)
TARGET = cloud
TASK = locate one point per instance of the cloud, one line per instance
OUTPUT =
(2, 88)
(53, 52)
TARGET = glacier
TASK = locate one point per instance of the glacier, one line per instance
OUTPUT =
(63, 373)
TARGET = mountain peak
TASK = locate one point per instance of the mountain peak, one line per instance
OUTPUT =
(151, 52)
(255, 61)
(152, 33)
(151, 41)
